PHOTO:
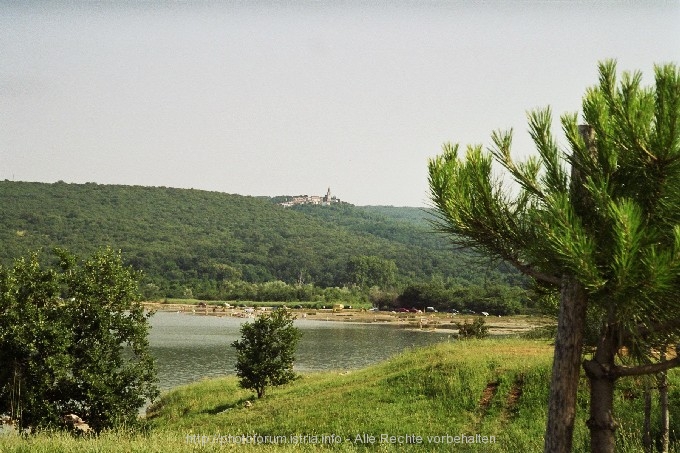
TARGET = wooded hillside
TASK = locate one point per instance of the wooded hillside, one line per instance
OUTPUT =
(191, 238)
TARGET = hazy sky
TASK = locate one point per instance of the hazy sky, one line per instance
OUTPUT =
(258, 98)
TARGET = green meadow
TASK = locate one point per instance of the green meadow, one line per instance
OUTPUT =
(481, 395)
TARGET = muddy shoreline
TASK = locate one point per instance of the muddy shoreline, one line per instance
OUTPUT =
(438, 322)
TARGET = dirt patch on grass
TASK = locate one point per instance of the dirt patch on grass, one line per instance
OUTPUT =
(514, 396)
(487, 396)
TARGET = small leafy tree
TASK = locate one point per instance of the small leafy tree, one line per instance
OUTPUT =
(73, 339)
(265, 352)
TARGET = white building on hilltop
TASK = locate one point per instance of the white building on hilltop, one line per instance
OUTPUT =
(325, 200)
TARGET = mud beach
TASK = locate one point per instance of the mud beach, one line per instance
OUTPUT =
(503, 325)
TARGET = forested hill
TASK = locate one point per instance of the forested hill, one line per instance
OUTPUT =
(185, 237)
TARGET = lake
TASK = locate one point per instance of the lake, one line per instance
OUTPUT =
(191, 347)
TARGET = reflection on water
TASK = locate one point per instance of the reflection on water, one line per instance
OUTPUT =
(191, 347)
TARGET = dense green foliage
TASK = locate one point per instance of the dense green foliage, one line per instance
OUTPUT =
(368, 271)
(73, 339)
(265, 354)
(211, 245)
(495, 298)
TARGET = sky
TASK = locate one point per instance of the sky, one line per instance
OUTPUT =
(269, 98)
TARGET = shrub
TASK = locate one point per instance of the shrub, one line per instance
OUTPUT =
(477, 329)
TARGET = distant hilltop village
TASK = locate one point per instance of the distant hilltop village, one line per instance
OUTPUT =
(326, 200)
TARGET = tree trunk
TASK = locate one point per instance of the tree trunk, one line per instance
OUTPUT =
(663, 403)
(601, 423)
(647, 425)
(570, 330)
(566, 367)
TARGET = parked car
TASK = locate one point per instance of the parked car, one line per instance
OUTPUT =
(430, 310)
(402, 310)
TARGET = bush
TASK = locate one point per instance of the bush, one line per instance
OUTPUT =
(478, 329)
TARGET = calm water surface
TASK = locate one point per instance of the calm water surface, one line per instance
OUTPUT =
(191, 347)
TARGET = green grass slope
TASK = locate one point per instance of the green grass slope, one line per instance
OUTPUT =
(436, 392)
(427, 397)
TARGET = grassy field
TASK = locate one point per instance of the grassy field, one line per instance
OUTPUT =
(448, 397)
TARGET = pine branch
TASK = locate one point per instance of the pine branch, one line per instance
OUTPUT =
(652, 368)
(645, 330)
(527, 269)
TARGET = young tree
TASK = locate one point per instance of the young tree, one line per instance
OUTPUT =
(266, 351)
(73, 339)
(606, 237)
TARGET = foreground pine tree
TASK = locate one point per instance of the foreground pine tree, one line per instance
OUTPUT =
(605, 234)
